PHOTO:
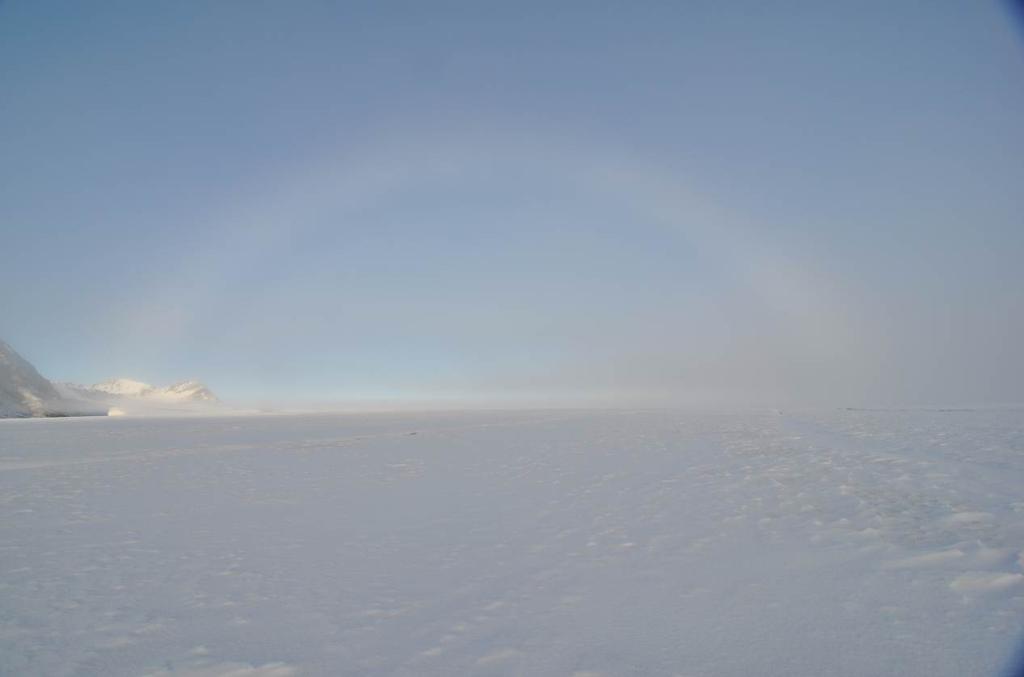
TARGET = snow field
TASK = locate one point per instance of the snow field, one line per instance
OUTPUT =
(529, 543)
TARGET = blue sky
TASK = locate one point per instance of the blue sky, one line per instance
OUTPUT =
(680, 202)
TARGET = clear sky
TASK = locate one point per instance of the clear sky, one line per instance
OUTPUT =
(626, 202)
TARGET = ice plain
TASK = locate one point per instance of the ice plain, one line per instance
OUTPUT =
(561, 543)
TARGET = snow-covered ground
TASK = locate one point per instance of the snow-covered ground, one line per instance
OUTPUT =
(530, 543)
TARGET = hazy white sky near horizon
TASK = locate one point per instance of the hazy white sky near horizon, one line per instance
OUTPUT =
(657, 203)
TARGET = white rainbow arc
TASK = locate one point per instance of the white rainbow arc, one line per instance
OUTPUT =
(249, 231)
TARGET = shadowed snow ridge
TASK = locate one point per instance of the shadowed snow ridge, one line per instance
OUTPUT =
(23, 391)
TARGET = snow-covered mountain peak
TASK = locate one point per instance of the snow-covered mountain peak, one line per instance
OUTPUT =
(191, 390)
(188, 390)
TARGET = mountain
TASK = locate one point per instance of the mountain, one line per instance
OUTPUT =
(193, 391)
(184, 391)
(24, 392)
(123, 386)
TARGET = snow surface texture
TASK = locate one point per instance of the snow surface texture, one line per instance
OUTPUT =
(563, 544)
